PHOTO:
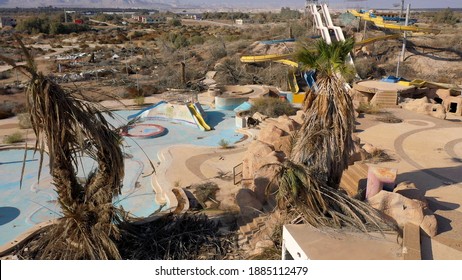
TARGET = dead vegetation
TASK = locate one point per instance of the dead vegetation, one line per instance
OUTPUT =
(176, 237)
(378, 155)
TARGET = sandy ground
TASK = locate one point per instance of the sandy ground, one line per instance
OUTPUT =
(195, 165)
(428, 152)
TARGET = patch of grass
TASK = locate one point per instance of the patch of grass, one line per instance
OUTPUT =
(366, 108)
(272, 107)
(13, 138)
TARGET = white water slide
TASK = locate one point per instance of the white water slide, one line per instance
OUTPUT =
(319, 24)
(324, 29)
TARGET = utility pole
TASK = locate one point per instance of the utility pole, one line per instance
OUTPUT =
(403, 50)
(365, 29)
(405, 33)
(183, 73)
(65, 16)
(402, 9)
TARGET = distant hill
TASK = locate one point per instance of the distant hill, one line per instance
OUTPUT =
(154, 4)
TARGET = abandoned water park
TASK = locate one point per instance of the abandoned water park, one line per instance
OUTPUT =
(319, 131)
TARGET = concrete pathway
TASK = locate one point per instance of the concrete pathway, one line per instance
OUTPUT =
(428, 152)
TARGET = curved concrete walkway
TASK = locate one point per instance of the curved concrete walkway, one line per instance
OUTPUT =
(428, 152)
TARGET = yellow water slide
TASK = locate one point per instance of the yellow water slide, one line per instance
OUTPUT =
(280, 58)
(379, 22)
(421, 83)
(199, 120)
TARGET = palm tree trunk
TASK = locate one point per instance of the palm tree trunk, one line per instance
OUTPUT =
(324, 141)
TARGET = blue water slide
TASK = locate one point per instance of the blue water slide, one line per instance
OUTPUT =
(309, 78)
(144, 110)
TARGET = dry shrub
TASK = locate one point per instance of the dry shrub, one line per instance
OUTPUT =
(366, 108)
(368, 68)
(390, 118)
(378, 155)
(205, 192)
(176, 237)
(272, 107)
(24, 120)
(133, 91)
(7, 110)
(5, 75)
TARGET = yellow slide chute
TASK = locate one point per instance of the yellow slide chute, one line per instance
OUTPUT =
(379, 22)
(199, 120)
(421, 83)
(283, 58)
(279, 58)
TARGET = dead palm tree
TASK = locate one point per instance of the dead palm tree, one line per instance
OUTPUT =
(68, 127)
(331, 113)
(308, 180)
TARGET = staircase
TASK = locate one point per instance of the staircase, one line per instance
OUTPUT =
(354, 179)
(255, 229)
(385, 99)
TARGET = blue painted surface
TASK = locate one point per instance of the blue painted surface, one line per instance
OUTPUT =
(144, 110)
(229, 103)
(246, 106)
(35, 202)
(391, 79)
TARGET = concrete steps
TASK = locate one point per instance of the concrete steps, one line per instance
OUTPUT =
(248, 231)
(354, 179)
(385, 99)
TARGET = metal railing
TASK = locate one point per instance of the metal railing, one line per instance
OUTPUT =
(237, 173)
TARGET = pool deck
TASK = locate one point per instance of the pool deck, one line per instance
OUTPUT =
(189, 159)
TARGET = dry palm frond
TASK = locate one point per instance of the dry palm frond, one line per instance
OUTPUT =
(66, 128)
(303, 193)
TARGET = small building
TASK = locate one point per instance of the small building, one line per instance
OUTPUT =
(137, 18)
(195, 16)
(241, 21)
(7, 21)
(152, 20)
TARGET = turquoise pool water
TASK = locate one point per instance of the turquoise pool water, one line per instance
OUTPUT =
(35, 202)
